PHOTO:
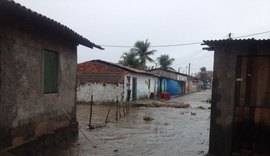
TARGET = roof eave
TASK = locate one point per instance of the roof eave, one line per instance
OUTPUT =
(24, 13)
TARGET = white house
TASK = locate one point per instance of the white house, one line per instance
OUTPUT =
(106, 81)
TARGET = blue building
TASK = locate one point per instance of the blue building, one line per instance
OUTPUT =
(173, 87)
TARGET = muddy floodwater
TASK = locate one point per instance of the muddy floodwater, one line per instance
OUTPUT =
(173, 132)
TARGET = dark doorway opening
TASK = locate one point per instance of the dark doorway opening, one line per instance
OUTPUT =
(134, 88)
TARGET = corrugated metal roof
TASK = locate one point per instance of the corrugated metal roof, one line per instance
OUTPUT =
(16, 10)
(228, 42)
(168, 71)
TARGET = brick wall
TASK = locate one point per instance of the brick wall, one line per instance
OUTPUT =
(98, 72)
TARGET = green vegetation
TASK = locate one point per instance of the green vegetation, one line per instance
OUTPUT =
(138, 56)
(165, 61)
(143, 51)
(130, 59)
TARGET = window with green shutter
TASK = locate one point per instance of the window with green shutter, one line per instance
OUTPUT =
(50, 72)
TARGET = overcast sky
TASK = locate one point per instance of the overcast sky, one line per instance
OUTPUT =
(162, 22)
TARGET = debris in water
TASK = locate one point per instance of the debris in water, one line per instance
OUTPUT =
(155, 103)
(201, 107)
(192, 113)
(100, 125)
(166, 123)
(148, 117)
(116, 150)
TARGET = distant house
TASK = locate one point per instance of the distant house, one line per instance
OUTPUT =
(240, 110)
(206, 77)
(170, 81)
(108, 81)
(193, 84)
(38, 61)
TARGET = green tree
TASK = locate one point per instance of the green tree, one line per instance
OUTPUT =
(205, 76)
(142, 49)
(165, 61)
(203, 69)
(130, 59)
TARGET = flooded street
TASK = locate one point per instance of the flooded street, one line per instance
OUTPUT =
(174, 131)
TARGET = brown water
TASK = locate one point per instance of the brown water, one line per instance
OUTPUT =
(173, 132)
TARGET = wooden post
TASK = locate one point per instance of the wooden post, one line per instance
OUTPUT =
(127, 107)
(91, 108)
(106, 120)
(123, 105)
(119, 108)
(116, 117)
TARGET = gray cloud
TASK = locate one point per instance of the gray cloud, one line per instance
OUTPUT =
(122, 22)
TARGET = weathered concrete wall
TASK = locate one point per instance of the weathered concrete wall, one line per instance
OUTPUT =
(222, 103)
(223, 97)
(102, 92)
(26, 112)
(192, 86)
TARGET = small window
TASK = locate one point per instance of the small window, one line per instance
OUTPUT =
(149, 83)
(50, 72)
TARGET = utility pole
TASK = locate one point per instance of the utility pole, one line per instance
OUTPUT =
(179, 69)
(189, 69)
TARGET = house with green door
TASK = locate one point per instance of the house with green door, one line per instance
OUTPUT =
(38, 59)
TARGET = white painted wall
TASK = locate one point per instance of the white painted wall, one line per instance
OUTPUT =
(142, 85)
(181, 78)
(108, 92)
(101, 92)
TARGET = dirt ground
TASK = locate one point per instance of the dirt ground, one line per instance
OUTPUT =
(173, 131)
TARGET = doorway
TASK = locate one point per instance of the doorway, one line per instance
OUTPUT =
(251, 123)
(134, 88)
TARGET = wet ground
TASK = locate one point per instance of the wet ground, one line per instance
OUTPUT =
(173, 132)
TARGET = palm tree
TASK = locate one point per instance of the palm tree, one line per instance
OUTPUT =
(165, 61)
(130, 59)
(141, 48)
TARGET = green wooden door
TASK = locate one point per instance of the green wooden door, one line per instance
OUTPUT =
(50, 72)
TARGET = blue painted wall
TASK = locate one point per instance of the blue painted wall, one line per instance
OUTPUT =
(173, 87)
(170, 86)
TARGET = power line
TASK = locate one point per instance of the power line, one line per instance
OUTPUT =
(252, 34)
(116, 46)
(179, 44)
(155, 46)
